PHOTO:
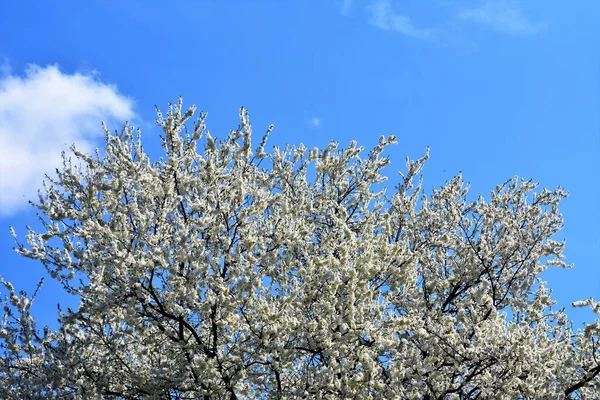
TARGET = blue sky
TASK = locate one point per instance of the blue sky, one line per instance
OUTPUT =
(495, 88)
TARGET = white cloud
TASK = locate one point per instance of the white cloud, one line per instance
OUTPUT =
(43, 113)
(316, 122)
(502, 16)
(383, 16)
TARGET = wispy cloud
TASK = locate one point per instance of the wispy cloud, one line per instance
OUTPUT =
(315, 121)
(5, 68)
(382, 15)
(42, 113)
(345, 6)
(502, 16)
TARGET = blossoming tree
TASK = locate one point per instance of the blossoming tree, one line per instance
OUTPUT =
(237, 273)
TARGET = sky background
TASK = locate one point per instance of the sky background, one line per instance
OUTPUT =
(495, 88)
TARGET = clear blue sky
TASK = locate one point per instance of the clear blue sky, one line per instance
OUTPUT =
(495, 88)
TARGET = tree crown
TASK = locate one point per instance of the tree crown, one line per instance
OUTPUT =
(234, 272)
